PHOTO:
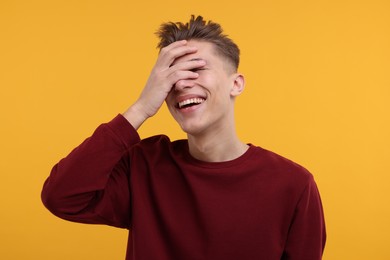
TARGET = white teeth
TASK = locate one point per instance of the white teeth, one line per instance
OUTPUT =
(190, 101)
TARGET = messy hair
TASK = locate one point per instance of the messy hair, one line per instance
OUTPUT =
(199, 29)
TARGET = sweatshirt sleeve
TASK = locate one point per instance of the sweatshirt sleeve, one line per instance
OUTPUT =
(91, 184)
(307, 235)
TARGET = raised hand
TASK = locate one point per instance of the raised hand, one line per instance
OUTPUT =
(163, 77)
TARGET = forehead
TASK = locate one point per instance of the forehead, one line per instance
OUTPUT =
(206, 51)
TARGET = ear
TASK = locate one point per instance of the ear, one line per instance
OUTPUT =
(238, 85)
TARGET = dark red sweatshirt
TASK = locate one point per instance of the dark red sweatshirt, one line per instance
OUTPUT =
(258, 206)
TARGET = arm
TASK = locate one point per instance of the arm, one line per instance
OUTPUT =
(91, 185)
(307, 235)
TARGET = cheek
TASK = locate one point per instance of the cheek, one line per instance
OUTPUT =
(170, 105)
(206, 77)
(169, 99)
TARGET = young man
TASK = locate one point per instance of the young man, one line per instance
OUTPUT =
(209, 197)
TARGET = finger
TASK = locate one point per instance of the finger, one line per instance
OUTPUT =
(174, 45)
(168, 56)
(188, 65)
(183, 83)
(182, 75)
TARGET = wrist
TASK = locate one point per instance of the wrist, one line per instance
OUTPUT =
(135, 115)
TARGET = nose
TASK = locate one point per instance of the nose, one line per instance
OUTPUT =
(183, 84)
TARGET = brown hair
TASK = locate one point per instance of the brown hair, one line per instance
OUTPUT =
(199, 29)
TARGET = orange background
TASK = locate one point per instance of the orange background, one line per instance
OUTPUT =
(318, 90)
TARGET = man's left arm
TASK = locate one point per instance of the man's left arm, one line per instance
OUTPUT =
(307, 234)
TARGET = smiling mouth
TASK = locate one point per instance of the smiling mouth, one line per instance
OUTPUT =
(190, 102)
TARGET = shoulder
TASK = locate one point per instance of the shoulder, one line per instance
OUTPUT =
(158, 145)
(152, 143)
(281, 168)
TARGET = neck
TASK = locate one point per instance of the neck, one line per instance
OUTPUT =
(216, 147)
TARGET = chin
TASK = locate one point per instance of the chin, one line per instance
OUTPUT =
(191, 129)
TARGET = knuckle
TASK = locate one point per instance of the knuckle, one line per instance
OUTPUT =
(179, 83)
(164, 50)
(176, 74)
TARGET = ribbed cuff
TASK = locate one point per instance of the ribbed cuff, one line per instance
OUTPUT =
(124, 130)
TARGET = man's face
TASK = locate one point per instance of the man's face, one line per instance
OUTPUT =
(206, 103)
